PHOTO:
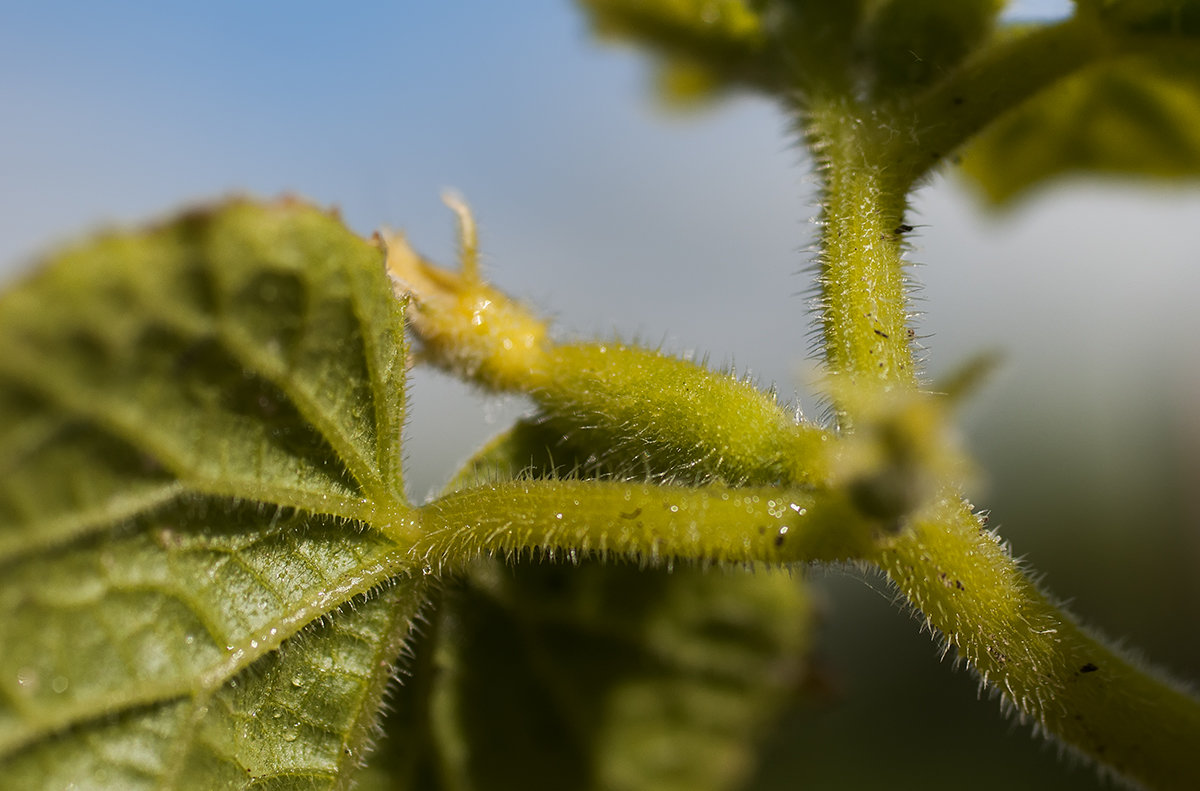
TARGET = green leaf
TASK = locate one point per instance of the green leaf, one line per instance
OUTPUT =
(1139, 116)
(404, 757)
(781, 47)
(615, 676)
(912, 43)
(790, 48)
(1147, 16)
(705, 46)
(198, 425)
(300, 717)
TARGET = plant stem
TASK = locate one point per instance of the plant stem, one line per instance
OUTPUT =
(649, 523)
(1050, 670)
(636, 404)
(959, 576)
(864, 314)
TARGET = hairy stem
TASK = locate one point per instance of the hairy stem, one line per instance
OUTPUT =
(960, 577)
(649, 523)
(1054, 673)
(864, 313)
(645, 409)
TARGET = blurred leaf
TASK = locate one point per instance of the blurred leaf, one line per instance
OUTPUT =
(784, 47)
(1139, 116)
(706, 46)
(912, 43)
(615, 677)
(198, 424)
(707, 28)
(1148, 16)
(685, 85)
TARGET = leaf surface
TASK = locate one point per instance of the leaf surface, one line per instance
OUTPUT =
(616, 677)
(199, 424)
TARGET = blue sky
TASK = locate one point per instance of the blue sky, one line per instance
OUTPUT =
(1037, 9)
(599, 207)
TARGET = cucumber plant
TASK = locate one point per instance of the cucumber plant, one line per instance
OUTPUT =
(213, 573)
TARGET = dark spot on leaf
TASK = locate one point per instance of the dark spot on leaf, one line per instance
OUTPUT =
(634, 514)
(1088, 668)
(958, 100)
(904, 228)
(881, 333)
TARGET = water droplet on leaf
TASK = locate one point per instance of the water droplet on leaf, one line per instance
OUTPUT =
(27, 679)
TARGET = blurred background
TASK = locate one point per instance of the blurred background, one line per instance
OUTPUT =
(619, 218)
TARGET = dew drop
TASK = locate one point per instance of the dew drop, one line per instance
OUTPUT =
(290, 735)
(297, 681)
(191, 638)
(59, 684)
(27, 679)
